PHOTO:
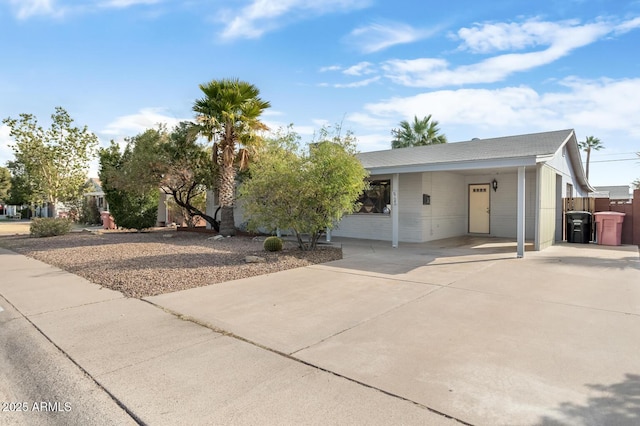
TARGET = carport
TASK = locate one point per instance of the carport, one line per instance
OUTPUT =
(509, 187)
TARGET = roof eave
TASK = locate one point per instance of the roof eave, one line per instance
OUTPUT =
(576, 161)
(455, 166)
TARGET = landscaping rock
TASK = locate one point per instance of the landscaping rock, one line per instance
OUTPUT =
(255, 259)
(147, 264)
(216, 238)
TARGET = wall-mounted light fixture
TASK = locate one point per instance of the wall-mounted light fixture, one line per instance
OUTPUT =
(494, 185)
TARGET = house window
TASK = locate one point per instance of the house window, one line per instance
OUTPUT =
(376, 198)
(569, 191)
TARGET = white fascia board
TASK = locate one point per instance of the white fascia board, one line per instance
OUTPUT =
(544, 158)
(456, 166)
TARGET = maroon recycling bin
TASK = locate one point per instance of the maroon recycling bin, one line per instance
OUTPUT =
(609, 228)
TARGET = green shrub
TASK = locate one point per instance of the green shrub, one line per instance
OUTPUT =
(273, 244)
(89, 212)
(48, 227)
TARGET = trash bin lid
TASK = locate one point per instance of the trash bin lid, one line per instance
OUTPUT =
(609, 214)
(579, 215)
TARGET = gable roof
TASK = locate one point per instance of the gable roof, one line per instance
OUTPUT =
(93, 187)
(508, 151)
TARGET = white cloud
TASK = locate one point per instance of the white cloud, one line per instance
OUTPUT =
(373, 142)
(147, 118)
(491, 37)
(25, 9)
(362, 68)
(627, 26)
(592, 106)
(369, 122)
(561, 38)
(361, 83)
(431, 72)
(262, 16)
(127, 3)
(330, 68)
(376, 37)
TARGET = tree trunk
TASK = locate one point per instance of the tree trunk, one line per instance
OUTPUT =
(227, 225)
(588, 159)
(51, 209)
(227, 181)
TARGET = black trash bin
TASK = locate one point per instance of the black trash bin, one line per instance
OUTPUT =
(579, 227)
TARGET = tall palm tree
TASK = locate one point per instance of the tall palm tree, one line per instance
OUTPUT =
(420, 132)
(228, 115)
(590, 144)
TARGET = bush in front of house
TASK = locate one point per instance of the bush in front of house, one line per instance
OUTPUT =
(89, 213)
(273, 244)
(49, 227)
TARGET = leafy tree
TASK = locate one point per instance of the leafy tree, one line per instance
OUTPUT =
(590, 144)
(55, 160)
(5, 183)
(89, 212)
(172, 162)
(228, 115)
(305, 190)
(418, 133)
(133, 206)
(22, 190)
(187, 170)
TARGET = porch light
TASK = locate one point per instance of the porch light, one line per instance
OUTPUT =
(494, 185)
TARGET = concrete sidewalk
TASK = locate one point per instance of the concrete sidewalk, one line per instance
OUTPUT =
(443, 333)
(171, 371)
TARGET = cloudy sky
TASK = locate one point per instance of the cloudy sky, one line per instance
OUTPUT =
(482, 69)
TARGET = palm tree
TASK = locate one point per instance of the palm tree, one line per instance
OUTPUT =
(590, 144)
(228, 115)
(419, 133)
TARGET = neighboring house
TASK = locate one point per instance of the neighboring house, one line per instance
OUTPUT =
(95, 194)
(501, 187)
(619, 193)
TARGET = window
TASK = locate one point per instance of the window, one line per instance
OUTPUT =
(376, 198)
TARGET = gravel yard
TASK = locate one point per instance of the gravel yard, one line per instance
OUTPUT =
(147, 264)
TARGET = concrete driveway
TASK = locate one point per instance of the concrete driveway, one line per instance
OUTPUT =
(460, 327)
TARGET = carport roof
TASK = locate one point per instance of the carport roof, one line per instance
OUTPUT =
(508, 151)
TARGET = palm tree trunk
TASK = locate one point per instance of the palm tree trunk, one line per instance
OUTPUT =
(227, 181)
(588, 158)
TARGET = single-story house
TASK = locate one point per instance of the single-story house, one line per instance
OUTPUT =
(617, 193)
(500, 187)
(95, 194)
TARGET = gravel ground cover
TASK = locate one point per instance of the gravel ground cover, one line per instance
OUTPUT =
(147, 264)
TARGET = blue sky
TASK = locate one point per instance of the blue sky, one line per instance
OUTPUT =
(481, 69)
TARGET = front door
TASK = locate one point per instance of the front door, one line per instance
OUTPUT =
(479, 209)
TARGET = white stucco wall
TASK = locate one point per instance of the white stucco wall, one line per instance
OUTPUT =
(447, 215)
(503, 203)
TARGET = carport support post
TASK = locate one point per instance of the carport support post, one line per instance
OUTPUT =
(395, 222)
(520, 231)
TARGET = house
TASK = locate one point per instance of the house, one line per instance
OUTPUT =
(501, 187)
(95, 194)
(617, 193)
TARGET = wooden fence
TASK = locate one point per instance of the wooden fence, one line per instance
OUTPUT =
(631, 224)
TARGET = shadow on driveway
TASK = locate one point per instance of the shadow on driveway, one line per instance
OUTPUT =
(616, 404)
